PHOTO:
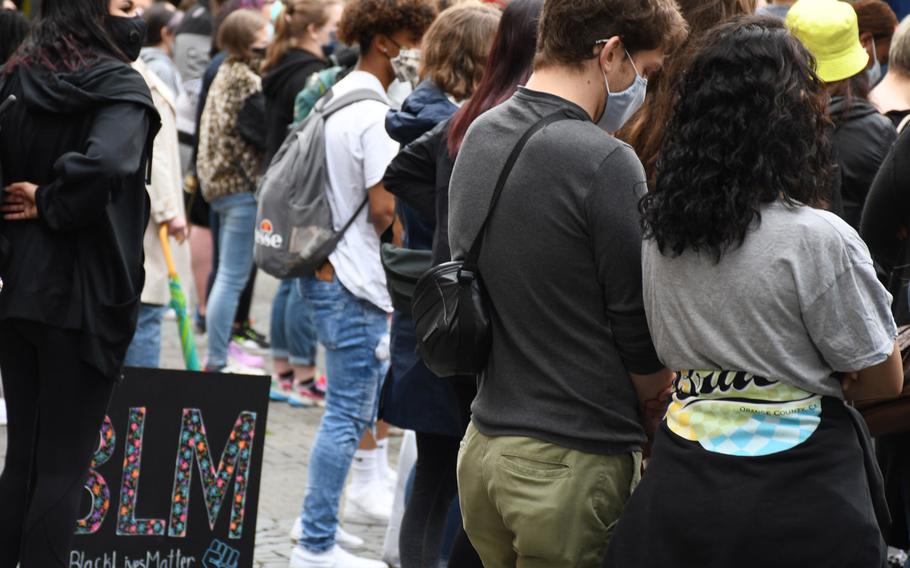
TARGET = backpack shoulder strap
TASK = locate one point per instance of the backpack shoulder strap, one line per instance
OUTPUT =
(330, 103)
(903, 124)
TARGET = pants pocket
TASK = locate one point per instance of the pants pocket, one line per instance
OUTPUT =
(534, 467)
(327, 303)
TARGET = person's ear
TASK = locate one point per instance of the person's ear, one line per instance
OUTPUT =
(313, 30)
(867, 39)
(383, 45)
(608, 55)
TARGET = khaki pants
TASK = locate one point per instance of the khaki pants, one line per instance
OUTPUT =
(530, 504)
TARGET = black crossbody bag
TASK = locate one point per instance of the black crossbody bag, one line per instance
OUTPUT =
(449, 307)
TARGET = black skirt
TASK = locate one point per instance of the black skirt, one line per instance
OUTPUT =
(805, 506)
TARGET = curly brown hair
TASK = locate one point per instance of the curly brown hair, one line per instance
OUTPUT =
(456, 48)
(363, 20)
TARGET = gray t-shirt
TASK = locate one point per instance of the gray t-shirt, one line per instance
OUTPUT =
(796, 302)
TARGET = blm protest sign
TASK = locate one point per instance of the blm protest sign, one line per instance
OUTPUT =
(175, 480)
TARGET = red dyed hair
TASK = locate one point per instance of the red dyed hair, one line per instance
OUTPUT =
(509, 66)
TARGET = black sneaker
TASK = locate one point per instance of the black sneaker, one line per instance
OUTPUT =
(199, 323)
(251, 339)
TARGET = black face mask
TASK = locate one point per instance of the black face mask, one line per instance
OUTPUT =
(128, 34)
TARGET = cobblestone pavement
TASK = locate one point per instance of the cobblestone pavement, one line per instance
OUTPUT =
(289, 436)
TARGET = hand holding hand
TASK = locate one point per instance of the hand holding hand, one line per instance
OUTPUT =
(19, 202)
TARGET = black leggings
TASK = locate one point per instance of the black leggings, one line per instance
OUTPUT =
(435, 485)
(55, 406)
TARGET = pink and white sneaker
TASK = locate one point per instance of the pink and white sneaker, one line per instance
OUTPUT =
(314, 390)
(240, 358)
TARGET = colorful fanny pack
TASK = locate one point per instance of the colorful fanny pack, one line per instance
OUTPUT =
(741, 414)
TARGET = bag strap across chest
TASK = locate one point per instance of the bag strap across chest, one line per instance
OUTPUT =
(473, 257)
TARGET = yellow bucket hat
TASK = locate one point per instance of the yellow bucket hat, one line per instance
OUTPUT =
(829, 30)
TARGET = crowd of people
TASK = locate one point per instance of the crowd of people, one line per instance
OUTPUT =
(689, 218)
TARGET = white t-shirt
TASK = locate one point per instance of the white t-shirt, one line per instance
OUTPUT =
(358, 150)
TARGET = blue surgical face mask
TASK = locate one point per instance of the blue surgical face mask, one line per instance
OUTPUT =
(875, 73)
(620, 106)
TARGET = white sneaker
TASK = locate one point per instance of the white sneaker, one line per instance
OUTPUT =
(369, 505)
(2, 412)
(296, 400)
(389, 477)
(334, 558)
(348, 540)
(342, 537)
(233, 369)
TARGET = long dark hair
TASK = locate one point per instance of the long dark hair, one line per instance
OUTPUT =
(509, 65)
(644, 131)
(68, 35)
(750, 127)
(13, 31)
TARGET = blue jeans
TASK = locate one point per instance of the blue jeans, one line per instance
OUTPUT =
(351, 329)
(293, 332)
(145, 349)
(237, 218)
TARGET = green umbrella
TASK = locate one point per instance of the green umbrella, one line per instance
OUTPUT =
(178, 302)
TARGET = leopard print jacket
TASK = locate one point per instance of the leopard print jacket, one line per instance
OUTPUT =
(226, 163)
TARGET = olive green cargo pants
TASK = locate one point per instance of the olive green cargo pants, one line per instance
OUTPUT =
(531, 504)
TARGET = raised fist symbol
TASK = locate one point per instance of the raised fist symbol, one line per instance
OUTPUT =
(220, 555)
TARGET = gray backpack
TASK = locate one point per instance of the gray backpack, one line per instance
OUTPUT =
(295, 233)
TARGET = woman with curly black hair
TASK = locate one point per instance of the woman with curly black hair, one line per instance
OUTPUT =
(770, 311)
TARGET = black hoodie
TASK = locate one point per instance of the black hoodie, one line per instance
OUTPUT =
(862, 139)
(281, 86)
(85, 139)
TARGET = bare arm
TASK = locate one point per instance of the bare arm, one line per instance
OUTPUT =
(382, 208)
(885, 380)
(653, 392)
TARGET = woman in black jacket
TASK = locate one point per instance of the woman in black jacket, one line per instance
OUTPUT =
(73, 153)
(886, 216)
(885, 228)
(302, 29)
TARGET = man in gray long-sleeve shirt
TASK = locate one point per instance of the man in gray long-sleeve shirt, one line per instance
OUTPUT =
(554, 446)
